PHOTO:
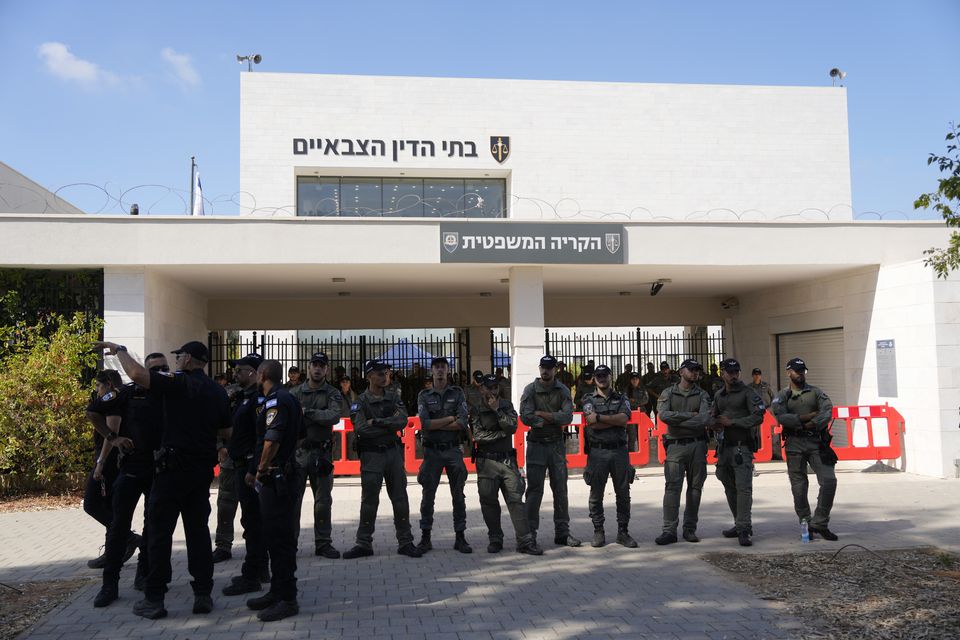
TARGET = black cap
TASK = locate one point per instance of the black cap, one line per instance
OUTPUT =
(195, 349)
(730, 364)
(374, 365)
(664, 365)
(797, 364)
(690, 364)
(320, 358)
(635, 374)
(756, 371)
(602, 370)
(548, 362)
(440, 360)
(478, 375)
(490, 381)
(251, 360)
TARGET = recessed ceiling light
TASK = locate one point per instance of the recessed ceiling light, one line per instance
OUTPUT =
(485, 294)
(624, 293)
(504, 280)
(338, 279)
(343, 294)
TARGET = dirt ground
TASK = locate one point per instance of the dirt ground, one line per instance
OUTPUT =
(857, 593)
(18, 611)
(41, 502)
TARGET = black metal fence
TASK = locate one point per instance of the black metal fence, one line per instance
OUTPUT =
(405, 354)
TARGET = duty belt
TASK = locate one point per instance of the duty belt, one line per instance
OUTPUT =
(501, 456)
(597, 444)
(687, 440)
(440, 446)
(323, 445)
(363, 447)
(242, 460)
(804, 434)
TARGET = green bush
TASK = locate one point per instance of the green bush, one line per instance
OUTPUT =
(45, 384)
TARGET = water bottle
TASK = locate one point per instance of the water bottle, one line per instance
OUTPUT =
(804, 531)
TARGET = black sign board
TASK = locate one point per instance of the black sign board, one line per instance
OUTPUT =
(533, 243)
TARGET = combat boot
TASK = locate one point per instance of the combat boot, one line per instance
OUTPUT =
(599, 538)
(461, 544)
(107, 594)
(424, 545)
(623, 538)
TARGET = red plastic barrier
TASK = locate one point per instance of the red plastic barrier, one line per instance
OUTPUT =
(411, 459)
(344, 466)
(873, 432)
(765, 453)
(578, 459)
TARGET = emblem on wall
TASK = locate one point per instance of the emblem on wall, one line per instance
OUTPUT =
(612, 241)
(451, 241)
(500, 148)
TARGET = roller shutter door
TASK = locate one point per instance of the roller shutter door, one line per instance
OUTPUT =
(823, 352)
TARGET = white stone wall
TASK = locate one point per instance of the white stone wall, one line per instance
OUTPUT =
(578, 149)
(903, 302)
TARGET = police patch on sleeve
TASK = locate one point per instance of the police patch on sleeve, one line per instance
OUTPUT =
(166, 373)
(271, 415)
(271, 403)
(107, 397)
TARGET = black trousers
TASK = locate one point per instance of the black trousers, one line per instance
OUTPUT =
(181, 493)
(97, 497)
(127, 489)
(255, 560)
(278, 499)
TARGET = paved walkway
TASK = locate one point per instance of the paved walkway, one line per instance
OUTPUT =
(650, 592)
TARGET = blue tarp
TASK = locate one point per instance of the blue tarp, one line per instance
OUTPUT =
(404, 354)
(500, 359)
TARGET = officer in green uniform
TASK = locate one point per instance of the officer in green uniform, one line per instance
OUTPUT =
(493, 424)
(737, 412)
(322, 407)
(712, 382)
(661, 381)
(547, 408)
(760, 387)
(685, 409)
(443, 423)
(473, 392)
(804, 412)
(607, 412)
(378, 420)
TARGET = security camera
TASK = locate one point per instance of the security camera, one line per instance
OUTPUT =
(730, 303)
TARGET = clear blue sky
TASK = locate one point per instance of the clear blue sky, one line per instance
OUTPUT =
(120, 94)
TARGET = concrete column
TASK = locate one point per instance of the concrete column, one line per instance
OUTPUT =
(124, 308)
(526, 327)
(479, 350)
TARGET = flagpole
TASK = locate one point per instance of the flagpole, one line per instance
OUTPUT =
(193, 183)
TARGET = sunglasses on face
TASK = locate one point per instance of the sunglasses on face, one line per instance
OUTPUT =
(160, 367)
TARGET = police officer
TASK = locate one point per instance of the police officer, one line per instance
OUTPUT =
(547, 408)
(278, 428)
(804, 412)
(98, 493)
(761, 388)
(242, 453)
(712, 382)
(322, 407)
(623, 380)
(443, 424)
(473, 392)
(685, 409)
(659, 382)
(195, 412)
(229, 479)
(607, 412)
(493, 425)
(585, 385)
(131, 413)
(737, 412)
(378, 420)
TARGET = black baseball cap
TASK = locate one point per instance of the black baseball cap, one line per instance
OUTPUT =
(756, 371)
(797, 364)
(602, 370)
(730, 364)
(374, 365)
(490, 381)
(194, 349)
(478, 375)
(439, 360)
(664, 365)
(690, 364)
(252, 360)
(635, 374)
(320, 358)
(548, 362)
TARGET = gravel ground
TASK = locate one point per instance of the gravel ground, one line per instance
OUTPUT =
(857, 593)
(41, 502)
(21, 605)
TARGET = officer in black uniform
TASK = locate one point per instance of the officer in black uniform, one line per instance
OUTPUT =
(195, 409)
(443, 418)
(241, 451)
(607, 412)
(378, 420)
(134, 414)
(278, 429)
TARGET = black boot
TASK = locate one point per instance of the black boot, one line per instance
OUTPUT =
(424, 545)
(599, 538)
(461, 544)
(623, 538)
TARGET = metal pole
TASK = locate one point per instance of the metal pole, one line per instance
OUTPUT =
(193, 166)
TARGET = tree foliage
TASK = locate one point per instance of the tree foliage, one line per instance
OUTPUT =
(45, 384)
(946, 201)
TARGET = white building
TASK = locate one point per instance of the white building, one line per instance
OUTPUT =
(528, 204)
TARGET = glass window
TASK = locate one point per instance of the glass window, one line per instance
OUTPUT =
(361, 197)
(403, 197)
(318, 196)
(443, 198)
(484, 198)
